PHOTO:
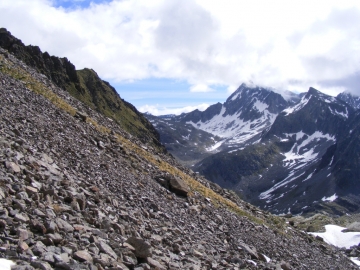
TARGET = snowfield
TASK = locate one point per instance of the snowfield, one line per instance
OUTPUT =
(6, 264)
(334, 236)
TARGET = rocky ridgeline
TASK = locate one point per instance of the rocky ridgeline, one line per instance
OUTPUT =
(73, 197)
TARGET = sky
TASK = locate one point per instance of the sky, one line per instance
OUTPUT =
(173, 56)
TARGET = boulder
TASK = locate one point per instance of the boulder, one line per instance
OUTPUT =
(142, 248)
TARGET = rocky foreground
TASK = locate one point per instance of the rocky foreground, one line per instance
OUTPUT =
(77, 192)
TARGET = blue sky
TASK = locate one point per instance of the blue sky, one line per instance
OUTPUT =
(175, 56)
(157, 95)
(70, 4)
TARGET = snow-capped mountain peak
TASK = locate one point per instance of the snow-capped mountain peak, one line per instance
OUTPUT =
(351, 99)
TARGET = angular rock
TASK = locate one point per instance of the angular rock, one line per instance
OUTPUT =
(106, 249)
(63, 225)
(12, 167)
(82, 256)
(142, 248)
(178, 186)
(41, 265)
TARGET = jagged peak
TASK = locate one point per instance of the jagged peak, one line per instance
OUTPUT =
(319, 95)
(247, 87)
(313, 91)
(349, 94)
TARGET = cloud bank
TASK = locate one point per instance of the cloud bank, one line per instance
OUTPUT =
(288, 45)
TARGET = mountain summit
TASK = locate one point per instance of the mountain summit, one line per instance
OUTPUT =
(281, 155)
(293, 167)
(243, 117)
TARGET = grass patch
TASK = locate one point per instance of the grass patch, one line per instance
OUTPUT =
(34, 85)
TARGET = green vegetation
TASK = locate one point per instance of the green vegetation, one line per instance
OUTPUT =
(101, 96)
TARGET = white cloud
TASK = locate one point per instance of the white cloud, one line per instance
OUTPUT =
(159, 110)
(205, 42)
(201, 88)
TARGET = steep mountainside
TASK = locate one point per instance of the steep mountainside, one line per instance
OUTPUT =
(183, 141)
(238, 122)
(247, 112)
(352, 100)
(77, 193)
(85, 85)
(293, 168)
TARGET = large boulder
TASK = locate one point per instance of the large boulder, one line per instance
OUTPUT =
(173, 183)
(142, 249)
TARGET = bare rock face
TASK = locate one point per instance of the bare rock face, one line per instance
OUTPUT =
(69, 202)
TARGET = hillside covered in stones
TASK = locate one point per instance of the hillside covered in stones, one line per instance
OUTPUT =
(77, 191)
(85, 85)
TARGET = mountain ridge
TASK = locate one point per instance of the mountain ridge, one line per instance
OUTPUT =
(84, 85)
(297, 146)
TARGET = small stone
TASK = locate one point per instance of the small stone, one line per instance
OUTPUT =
(106, 249)
(53, 238)
(285, 265)
(49, 257)
(22, 234)
(51, 227)
(31, 190)
(63, 225)
(21, 217)
(82, 256)
(41, 265)
(2, 225)
(12, 167)
(155, 264)
(22, 246)
(37, 226)
(22, 195)
(39, 248)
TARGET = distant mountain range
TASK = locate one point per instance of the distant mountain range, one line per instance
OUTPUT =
(298, 154)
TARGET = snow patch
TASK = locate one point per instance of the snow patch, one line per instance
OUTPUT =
(334, 236)
(330, 199)
(298, 157)
(297, 107)
(335, 112)
(6, 264)
(260, 106)
(266, 258)
(233, 127)
(215, 146)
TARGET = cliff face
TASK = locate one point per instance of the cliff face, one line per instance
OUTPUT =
(85, 85)
(60, 70)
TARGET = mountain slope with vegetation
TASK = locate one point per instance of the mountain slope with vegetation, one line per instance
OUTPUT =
(85, 85)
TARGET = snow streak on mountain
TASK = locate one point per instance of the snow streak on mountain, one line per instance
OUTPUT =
(280, 154)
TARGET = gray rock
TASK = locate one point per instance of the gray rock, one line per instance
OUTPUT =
(12, 167)
(82, 256)
(63, 225)
(41, 265)
(142, 248)
(106, 249)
